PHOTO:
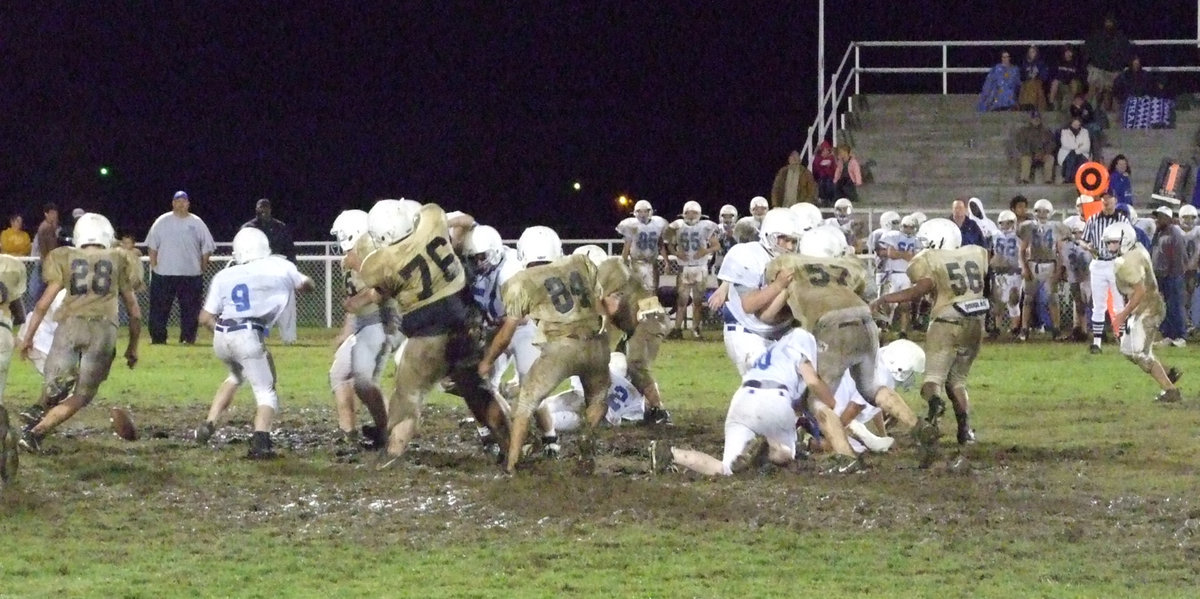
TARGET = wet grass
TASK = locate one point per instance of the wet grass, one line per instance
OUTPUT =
(1080, 486)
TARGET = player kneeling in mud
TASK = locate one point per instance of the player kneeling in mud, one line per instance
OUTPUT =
(767, 404)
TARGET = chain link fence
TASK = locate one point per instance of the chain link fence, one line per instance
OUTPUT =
(323, 306)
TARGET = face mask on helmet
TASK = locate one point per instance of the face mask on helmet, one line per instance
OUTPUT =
(691, 213)
(484, 249)
(780, 231)
(643, 211)
(348, 227)
(842, 210)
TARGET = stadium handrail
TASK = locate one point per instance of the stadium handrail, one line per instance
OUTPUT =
(830, 112)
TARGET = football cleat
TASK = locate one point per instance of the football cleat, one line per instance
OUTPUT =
(261, 447)
(1174, 374)
(1094, 349)
(373, 437)
(844, 464)
(31, 442)
(675, 334)
(657, 417)
(33, 414)
(1169, 396)
(205, 431)
(550, 447)
(937, 408)
(966, 435)
(661, 458)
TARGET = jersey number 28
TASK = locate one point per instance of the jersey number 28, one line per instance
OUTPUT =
(101, 276)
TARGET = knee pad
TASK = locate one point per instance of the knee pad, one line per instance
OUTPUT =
(267, 398)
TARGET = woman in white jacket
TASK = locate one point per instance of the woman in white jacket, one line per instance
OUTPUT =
(1075, 148)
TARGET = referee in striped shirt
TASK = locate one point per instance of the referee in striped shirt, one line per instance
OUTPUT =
(1103, 271)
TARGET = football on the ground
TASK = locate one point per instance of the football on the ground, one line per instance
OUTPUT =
(122, 424)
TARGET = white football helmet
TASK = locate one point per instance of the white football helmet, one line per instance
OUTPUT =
(728, 215)
(921, 218)
(842, 210)
(1043, 210)
(392, 220)
(1075, 224)
(93, 229)
(643, 211)
(903, 359)
(618, 364)
(889, 221)
(779, 226)
(484, 248)
(1122, 234)
(250, 244)
(810, 216)
(823, 242)
(909, 224)
(940, 234)
(538, 244)
(594, 253)
(1187, 216)
(348, 227)
(759, 207)
(1007, 220)
(691, 212)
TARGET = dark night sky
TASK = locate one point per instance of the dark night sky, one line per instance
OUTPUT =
(492, 108)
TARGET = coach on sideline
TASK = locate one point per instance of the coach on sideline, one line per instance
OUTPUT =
(1103, 271)
(180, 245)
(280, 239)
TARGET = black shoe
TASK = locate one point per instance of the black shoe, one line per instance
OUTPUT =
(675, 334)
(261, 447)
(1094, 349)
(205, 431)
(30, 442)
(937, 408)
(33, 414)
(8, 449)
(1174, 374)
(373, 438)
(966, 435)
(657, 417)
(550, 446)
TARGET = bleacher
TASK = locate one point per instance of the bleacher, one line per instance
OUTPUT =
(925, 150)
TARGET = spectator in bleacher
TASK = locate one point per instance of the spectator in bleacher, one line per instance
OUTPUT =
(1033, 81)
(1066, 78)
(1169, 251)
(971, 233)
(1082, 109)
(1035, 146)
(1143, 98)
(793, 184)
(1118, 181)
(1000, 87)
(14, 241)
(1074, 149)
(848, 176)
(1107, 52)
(824, 167)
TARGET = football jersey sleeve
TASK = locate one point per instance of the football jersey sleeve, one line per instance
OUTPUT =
(1130, 270)
(516, 296)
(737, 270)
(919, 267)
(212, 301)
(627, 228)
(54, 270)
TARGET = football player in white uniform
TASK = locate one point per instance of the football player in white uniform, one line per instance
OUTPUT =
(12, 312)
(243, 301)
(899, 247)
(692, 239)
(1040, 242)
(491, 265)
(643, 243)
(888, 221)
(747, 228)
(1077, 260)
(766, 404)
(1191, 236)
(625, 403)
(898, 362)
(1006, 274)
(842, 219)
(368, 335)
(751, 306)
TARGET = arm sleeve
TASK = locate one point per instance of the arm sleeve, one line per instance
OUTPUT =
(212, 301)
(207, 245)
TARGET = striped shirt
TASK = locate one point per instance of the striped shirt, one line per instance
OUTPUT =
(1095, 231)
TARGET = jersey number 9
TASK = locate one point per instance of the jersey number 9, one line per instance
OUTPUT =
(240, 294)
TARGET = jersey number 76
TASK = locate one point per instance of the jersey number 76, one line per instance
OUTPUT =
(420, 265)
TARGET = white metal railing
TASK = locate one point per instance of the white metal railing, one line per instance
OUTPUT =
(835, 101)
